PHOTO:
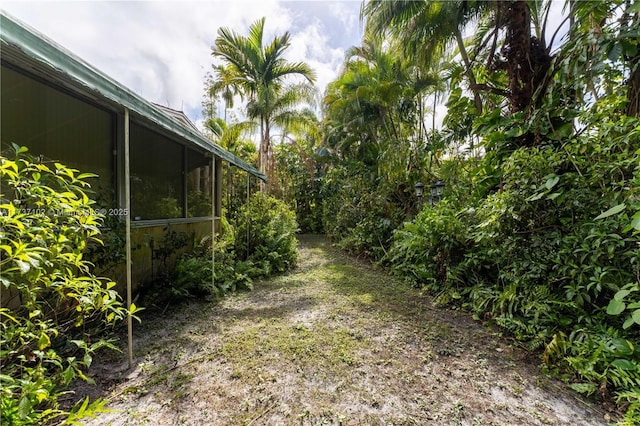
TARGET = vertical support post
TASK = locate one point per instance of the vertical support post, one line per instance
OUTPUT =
(185, 184)
(247, 216)
(230, 188)
(218, 182)
(127, 206)
(213, 220)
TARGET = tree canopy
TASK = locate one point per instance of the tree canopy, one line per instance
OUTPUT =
(258, 72)
(539, 151)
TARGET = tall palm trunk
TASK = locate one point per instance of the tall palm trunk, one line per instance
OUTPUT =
(527, 60)
(517, 53)
(633, 83)
(469, 72)
(262, 150)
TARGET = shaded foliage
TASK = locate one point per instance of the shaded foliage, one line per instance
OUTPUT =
(50, 335)
(539, 227)
(258, 242)
(299, 171)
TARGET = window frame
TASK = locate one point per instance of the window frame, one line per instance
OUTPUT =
(186, 147)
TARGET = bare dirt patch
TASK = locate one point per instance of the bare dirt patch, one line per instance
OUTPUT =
(334, 342)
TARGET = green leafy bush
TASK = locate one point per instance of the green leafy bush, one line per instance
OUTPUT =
(192, 276)
(48, 337)
(374, 219)
(359, 216)
(539, 230)
(551, 254)
(265, 234)
(425, 249)
(272, 248)
(298, 180)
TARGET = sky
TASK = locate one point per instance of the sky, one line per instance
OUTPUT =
(162, 49)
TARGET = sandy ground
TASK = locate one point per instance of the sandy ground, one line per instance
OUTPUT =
(334, 342)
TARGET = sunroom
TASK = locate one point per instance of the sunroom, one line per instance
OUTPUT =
(157, 173)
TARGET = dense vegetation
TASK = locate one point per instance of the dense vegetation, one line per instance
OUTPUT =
(62, 310)
(255, 243)
(538, 229)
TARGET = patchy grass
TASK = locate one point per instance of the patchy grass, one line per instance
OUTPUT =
(334, 342)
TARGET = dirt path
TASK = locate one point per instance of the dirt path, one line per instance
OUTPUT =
(335, 342)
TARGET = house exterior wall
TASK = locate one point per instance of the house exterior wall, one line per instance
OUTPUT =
(62, 127)
(155, 250)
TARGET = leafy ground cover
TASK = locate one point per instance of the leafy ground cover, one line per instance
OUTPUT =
(335, 341)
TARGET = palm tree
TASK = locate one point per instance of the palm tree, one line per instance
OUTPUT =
(223, 85)
(276, 107)
(258, 72)
(373, 110)
(427, 26)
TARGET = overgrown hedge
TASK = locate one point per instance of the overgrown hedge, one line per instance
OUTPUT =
(552, 255)
(359, 218)
(542, 240)
(257, 243)
(48, 337)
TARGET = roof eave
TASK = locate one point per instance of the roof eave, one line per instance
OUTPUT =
(55, 57)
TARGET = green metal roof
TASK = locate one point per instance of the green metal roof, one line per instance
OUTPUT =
(46, 57)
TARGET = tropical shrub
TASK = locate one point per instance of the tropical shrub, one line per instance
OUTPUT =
(299, 184)
(358, 215)
(340, 190)
(50, 336)
(192, 275)
(272, 248)
(265, 234)
(552, 255)
(539, 229)
(425, 249)
(368, 225)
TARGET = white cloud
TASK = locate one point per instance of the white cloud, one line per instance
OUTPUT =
(344, 12)
(312, 46)
(162, 49)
